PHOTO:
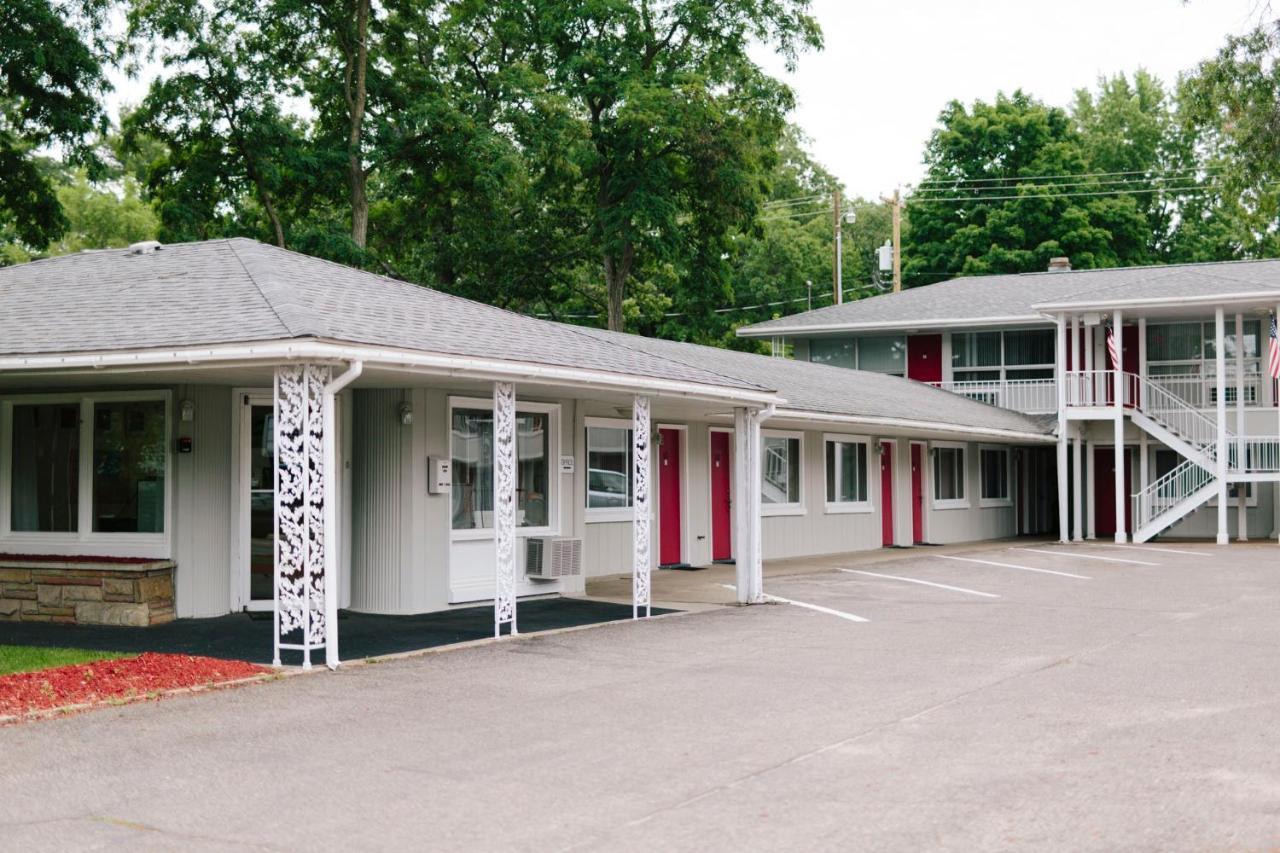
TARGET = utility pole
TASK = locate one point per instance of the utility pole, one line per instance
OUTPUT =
(896, 204)
(837, 269)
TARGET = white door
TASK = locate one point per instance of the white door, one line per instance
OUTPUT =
(257, 501)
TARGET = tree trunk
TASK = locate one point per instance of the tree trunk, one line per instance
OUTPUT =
(356, 95)
(617, 269)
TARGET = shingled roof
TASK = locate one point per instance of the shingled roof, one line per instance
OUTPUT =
(1022, 298)
(239, 291)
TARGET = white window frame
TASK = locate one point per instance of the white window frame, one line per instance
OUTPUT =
(552, 410)
(85, 539)
(949, 503)
(836, 507)
(796, 507)
(1004, 367)
(597, 515)
(1007, 500)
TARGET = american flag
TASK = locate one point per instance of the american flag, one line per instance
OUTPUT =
(1112, 349)
(1274, 363)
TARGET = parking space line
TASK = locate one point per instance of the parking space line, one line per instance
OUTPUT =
(925, 583)
(1012, 566)
(807, 606)
(1156, 550)
(1085, 556)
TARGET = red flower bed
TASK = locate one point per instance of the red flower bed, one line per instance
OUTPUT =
(123, 678)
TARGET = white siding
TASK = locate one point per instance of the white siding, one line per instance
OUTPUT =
(205, 532)
(381, 558)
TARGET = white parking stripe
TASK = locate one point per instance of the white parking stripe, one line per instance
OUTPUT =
(1012, 566)
(1156, 550)
(807, 606)
(925, 583)
(1084, 556)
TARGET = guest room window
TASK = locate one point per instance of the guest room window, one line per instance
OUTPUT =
(608, 467)
(846, 468)
(994, 462)
(948, 476)
(780, 473)
(471, 440)
(86, 468)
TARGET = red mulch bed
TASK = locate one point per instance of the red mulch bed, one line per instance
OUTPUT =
(121, 679)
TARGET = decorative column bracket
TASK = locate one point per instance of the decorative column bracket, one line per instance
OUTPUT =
(504, 506)
(641, 440)
(299, 606)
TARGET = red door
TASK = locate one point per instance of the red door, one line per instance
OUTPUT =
(721, 484)
(917, 493)
(924, 358)
(669, 494)
(886, 495)
(1104, 491)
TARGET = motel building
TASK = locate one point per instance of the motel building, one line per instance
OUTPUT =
(195, 430)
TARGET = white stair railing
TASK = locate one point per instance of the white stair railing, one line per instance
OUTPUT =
(1177, 415)
(1168, 491)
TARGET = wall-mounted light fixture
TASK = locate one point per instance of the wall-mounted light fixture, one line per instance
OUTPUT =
(188, 410)
(406, 412)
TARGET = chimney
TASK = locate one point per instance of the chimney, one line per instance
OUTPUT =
(1059, 265)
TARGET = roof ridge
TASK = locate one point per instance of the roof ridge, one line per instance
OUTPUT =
(230, 241)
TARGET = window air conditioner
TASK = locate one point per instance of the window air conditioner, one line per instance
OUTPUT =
(550, 559)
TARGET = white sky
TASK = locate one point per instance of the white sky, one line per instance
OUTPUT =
(870, 99)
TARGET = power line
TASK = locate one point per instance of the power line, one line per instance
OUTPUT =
(791, 202)
(1056, 177)
(1191, 188)
(1125, 182)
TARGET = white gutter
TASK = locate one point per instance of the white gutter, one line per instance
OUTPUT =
(331, 510)
(1160, 302)
(949, 323)
(924, 426)
(428, 363)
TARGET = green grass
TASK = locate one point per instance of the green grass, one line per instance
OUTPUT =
(31, 658)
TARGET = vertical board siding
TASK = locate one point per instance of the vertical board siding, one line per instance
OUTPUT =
(204, 503)
(379, 467)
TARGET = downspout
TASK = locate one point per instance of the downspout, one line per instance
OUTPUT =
(354, 369)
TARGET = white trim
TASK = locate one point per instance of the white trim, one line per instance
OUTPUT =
(1159, 302)
(84, 538)
(552, 410)
(797, 506)
(1007, 501)
(240, 589)
(842, 507)
(921, 325)
(271, 352)
(922, 426)
(962, 502)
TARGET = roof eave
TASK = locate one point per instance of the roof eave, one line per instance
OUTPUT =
(924, 426)
(1159, 302)
(890, 325)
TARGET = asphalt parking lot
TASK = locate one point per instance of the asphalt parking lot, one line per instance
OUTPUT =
(1008, 697)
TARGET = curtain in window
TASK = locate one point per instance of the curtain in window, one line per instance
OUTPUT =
(45, 492)
(838, 352)
(883, 354)
(1029, 346)
(1174, 342)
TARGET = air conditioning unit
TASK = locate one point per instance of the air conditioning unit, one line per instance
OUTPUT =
(550, 559)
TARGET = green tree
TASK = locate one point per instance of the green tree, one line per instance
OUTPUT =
(52, 54)
(986, 205)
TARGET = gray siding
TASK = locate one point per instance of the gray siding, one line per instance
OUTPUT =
(205, 521)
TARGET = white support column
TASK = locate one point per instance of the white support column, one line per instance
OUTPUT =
(1077, 366)
(1091, 473)
(1242, 508)
(299, 601)
(1060, 357)
(1142, 363)
(744, 519)
(641, 440)
(504, 507)
(1122, 499)
(1220, 363)
(1077, 485)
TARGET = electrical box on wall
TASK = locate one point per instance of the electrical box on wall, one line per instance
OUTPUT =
(439, 475)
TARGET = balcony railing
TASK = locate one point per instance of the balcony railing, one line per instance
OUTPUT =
(1097, 388)
(1252, 454)
(1201, 392)
(1029, 396)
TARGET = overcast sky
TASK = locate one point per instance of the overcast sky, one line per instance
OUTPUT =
(871, 98)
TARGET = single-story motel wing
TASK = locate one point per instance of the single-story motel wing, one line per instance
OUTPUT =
(197, 429)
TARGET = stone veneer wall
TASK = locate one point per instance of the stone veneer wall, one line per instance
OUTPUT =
(137, 594)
